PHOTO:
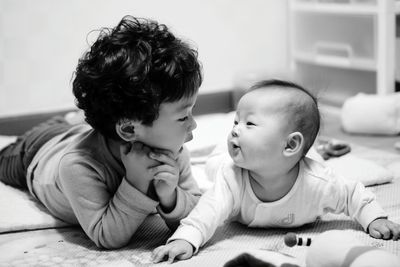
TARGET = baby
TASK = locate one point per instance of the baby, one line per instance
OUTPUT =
(268, 181)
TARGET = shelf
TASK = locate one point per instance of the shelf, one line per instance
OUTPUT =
(337, 62)
(333, 8)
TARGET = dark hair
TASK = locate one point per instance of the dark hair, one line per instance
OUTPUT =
(305, 114)
(130, 70)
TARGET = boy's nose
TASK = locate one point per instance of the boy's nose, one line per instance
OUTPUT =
(193, 124)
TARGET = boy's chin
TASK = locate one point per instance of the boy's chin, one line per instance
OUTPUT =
(189, 138)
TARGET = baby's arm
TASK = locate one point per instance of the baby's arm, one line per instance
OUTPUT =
(382, 228)
(216, 205)
(180, 249)
(358, 202)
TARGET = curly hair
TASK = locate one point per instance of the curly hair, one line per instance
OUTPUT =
(130, 70)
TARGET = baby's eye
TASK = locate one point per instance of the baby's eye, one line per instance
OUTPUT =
(249, 123)
(235, 122)
(184, 118)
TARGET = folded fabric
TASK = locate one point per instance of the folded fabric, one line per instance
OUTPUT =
(372, 114)
(363, 170)
(20, 211)
(5, 140)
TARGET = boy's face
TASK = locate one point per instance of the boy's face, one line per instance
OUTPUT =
(259, 133)
(172, 128)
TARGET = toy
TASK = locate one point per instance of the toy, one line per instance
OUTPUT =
(337, 248)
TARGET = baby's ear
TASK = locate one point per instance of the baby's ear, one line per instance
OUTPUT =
(294, 144)
(126, 130)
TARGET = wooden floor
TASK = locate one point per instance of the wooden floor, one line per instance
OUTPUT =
(331, 127)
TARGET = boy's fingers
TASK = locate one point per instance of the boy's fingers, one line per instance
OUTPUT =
(162, 168)
(163, 151)
(162, 158)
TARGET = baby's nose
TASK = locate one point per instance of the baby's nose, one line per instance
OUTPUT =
(235, 132)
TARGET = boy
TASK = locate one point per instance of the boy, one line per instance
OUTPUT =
(137, 86)
(268, 181)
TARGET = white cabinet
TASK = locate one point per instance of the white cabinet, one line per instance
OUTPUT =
(342, 47)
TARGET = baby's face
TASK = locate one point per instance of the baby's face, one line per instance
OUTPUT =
(172, 128)
(258, 136)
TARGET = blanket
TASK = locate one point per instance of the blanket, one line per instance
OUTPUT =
(54, 243)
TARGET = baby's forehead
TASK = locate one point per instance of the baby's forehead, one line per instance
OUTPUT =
(277, 97)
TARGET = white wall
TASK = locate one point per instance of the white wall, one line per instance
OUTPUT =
(41, 41)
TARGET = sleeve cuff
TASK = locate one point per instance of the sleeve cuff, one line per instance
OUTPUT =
(369, 213)
(179, 210)
(190, 234)
(128, 198)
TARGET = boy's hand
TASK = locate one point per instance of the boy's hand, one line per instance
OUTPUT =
(166, 177)
(135, 157)
(180, 249)
(382, 228)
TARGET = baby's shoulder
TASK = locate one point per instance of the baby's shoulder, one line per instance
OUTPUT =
(317, 171)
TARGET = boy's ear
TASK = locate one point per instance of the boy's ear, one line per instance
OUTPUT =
(294, 144)
(126, 130)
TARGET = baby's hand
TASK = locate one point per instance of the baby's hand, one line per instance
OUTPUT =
(138, 164)
(166, 177)
(180, 249)
(382, 228)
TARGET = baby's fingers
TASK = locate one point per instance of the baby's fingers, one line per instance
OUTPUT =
(184, 256)
(159, 253)
(381, 231)
(395, 229)
(375, 233)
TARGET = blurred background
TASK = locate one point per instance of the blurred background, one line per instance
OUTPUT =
(331, 46)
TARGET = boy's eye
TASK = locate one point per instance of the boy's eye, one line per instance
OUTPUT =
(183, 119)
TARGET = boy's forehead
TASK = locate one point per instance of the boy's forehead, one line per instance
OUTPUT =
(179, 105)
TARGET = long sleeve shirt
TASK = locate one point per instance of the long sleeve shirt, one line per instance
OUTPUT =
(79, 181)
(316, 192)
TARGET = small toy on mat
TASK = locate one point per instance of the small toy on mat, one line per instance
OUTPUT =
(332, 148)
(397, 145)
(336, 248)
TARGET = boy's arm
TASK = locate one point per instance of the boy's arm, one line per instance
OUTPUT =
(187, 193)
(108, 218)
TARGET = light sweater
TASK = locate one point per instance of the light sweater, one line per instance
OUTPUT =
(316, 192)
(79, 181)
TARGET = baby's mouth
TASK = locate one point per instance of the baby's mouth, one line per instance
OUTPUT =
(235, 146)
